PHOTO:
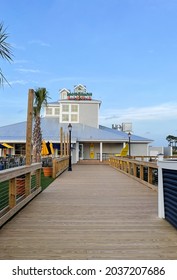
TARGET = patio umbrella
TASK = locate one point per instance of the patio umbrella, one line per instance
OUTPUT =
(48, 147)
(7, 146)
(44, 151)
(51, 148)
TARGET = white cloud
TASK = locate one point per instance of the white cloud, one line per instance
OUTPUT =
(26, 70)
(166, 111)
(18, 47)
(20, 61)
(39, 42)
(19, 82)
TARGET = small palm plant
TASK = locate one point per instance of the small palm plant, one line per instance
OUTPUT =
(40, 99)
(5, 50)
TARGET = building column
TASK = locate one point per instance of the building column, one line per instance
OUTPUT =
(101, 151)
(77, 151)
(161, 208)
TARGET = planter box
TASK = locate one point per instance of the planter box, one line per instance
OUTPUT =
(47, 171)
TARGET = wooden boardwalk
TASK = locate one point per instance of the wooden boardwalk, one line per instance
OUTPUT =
(93, 212)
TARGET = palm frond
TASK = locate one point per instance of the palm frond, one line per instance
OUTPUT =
(3, 79)
(40, 99)
(5, 51)
(5, 48)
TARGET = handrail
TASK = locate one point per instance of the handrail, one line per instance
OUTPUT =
(10, 173)
(143, 171)
(59, 165)
(18, 186)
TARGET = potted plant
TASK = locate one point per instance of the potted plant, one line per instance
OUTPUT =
(47, 166)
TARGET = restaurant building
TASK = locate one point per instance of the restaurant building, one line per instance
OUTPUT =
(89, 139)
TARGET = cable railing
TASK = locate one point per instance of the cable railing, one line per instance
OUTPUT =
(18, 186)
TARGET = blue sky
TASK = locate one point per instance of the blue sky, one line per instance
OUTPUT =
(124, 51)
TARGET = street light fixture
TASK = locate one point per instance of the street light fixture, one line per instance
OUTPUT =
(69, 129)
(129, 144)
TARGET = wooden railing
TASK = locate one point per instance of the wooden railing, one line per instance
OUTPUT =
(18, 186)
(60, 165)
(143, 171)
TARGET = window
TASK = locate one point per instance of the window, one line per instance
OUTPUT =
(65, 108)
(57, 111)
(48, 111)
(64, 95)
(74, 117)
(74, 108)
(65, 117)
(69, 113)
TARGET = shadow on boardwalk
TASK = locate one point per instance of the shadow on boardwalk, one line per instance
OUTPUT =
(93, 212)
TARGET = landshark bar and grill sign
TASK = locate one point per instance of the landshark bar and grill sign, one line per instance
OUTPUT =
(79, 95)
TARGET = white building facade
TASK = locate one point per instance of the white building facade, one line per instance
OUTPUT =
(90, 140)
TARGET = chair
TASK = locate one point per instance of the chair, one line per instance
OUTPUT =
(123, 152)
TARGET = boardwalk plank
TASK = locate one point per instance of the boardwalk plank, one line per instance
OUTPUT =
(93, 212)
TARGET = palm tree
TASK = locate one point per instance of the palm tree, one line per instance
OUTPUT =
(170, 139)
(40, 99)
(5, 50)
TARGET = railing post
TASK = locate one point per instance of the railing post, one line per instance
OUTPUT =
(141, 172)
(27, 184)
(134, 170)
(54, 170)
(149, 175)
(12, 193)
(38, 178)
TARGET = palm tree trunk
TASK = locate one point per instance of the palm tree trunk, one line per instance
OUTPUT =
(37, 140)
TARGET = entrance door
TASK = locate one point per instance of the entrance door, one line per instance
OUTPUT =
(81, 151)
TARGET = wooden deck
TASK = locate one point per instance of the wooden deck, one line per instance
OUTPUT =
(93, 212)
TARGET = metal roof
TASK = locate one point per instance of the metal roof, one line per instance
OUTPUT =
(16, 133)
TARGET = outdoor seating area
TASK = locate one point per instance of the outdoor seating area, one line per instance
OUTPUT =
(11, 161)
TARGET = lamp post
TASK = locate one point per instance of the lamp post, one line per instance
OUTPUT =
(129, 144)
(69, 129)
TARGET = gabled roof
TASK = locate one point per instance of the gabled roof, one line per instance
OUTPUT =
(80, 132)
(79, 85)
(64, 89)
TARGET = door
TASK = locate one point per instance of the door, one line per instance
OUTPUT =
(81, 151)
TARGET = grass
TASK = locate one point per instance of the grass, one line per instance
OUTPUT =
(45, 181)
